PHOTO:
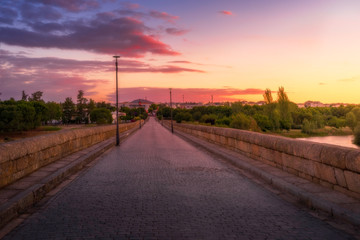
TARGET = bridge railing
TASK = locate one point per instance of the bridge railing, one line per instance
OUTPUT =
(22, 157)
(332, 166)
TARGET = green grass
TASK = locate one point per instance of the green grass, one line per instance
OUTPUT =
(326, 131)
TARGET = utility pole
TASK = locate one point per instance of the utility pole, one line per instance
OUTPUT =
(117, 103)
(171, 113)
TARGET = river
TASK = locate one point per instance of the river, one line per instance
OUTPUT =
(345, 141)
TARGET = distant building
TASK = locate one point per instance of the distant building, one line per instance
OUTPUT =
(189, 105)
(315, 104)
(143, 103)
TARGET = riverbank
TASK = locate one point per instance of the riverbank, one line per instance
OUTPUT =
(326, 131)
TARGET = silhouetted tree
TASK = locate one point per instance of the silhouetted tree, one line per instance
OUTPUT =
(24, 96)
(68, 110)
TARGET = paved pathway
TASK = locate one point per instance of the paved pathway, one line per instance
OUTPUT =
(157, 186)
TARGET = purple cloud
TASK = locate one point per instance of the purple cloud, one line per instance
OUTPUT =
(124, 36)
(176, 31)
(163, 15)
(61, 78)
(30, 12)
(7, 15)
(72, 6)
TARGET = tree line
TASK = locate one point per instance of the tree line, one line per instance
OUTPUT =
(32, 111)
(274, 116)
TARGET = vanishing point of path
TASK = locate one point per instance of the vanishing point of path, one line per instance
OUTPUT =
(158, 186)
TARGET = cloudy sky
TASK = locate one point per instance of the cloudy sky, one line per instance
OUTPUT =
(231, 49)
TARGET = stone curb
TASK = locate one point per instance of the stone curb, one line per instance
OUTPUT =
(307, 198)
(30, 196)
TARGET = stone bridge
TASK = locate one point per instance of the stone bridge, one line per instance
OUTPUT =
(199, 183)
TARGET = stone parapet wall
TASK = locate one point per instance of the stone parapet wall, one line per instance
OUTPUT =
(329, 165)
(22, 157)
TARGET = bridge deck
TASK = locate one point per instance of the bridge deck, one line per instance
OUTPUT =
(158, 186)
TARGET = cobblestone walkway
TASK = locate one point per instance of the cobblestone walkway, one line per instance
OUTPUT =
(157, 186)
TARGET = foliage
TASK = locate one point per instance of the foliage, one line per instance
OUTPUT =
(68, 110)
(54, 111)
(152, 107)
(208, 118)
(357, 134)
(101, 116)
(17, 116)
(267, 96)
(241, 121)
(132, 113)
(308, 126)
(35, 97)
(81, 108)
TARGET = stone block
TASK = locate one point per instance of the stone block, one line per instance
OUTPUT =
(340, 177)
(334, 156)
(352, 161)
(324, 172)
(353, 181)
(255, 150)
(326, 184)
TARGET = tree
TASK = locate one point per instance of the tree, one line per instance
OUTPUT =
(91, 105)
(41, 111)
(68, 110)
(81, 107)
(357, 134)
(152, 107)
(351, 120)
(284, 109)
(17, 116)
(101, 116)
(24, 96)
(267, 96)
(54, 111)
(36, 96)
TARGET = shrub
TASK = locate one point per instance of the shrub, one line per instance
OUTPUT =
(357, 134)
(241, 121)
(101, 116)
(308, 126)
(211, 118)
(223, 121)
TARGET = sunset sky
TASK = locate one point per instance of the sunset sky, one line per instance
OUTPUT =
(231, 49)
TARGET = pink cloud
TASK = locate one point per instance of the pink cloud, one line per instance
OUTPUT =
(190, 94)
(61, 78)
(226, 12)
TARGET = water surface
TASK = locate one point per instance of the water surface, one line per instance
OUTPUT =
(345, 141)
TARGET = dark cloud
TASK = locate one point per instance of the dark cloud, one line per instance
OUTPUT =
(7, 15)
(47, 27)
(72, 6)
(31, 12)
(176, 31)
(163, 15)
(124, 36)
(129, 5)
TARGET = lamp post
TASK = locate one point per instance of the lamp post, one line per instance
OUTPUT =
(171, 113)
(117, 104)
